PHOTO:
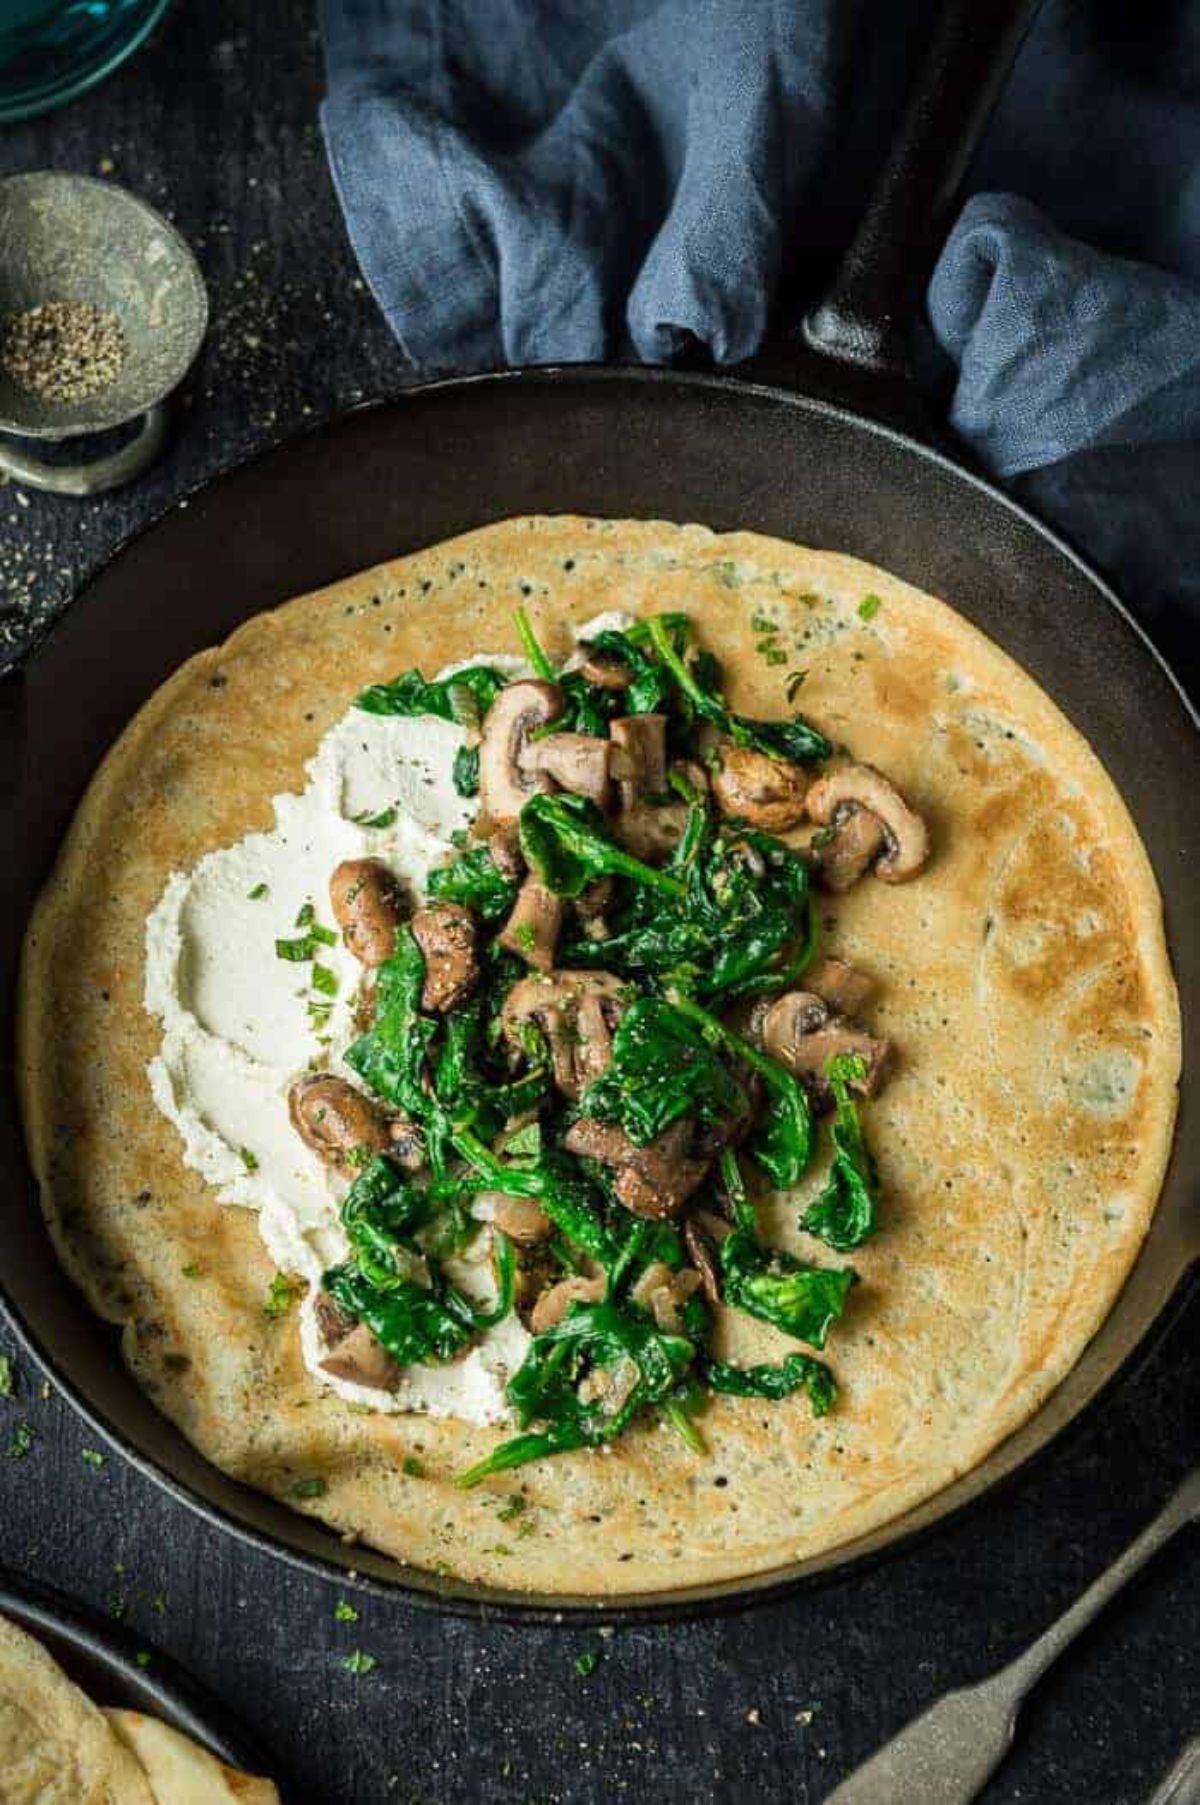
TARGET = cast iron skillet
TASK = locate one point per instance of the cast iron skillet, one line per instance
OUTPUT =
(805, 466)
(101, 1657)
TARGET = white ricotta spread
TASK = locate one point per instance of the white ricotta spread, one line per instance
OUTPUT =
(239, 1023)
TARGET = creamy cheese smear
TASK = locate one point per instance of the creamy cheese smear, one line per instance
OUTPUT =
(240, 1023)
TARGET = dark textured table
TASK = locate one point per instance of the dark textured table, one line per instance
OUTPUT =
(216, 123)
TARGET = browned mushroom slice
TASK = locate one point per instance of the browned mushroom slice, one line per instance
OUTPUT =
(333, 1322)
(505, 848)
(767, 792)
(805, 1044)
(520, 1218)
(336, 1121)
(848, 790)
(841, 986)
(854, 843)
(504, 784)
(653, 1181)
(604, 669)
(532, 929)
(406, 1143)
(576, 761)
(577, 1011)
(701, 1255)
(359, 1358)
(646, 824)
(639, 758)
(552, 1305)
(445, 933)
(368, 907)
(663, 1293)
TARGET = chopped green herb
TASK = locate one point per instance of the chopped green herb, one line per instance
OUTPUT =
(21, 1442)
(309, 1488)
(249, 1160)
(587, 1662)
(322, 936)
(159, 1603)
(296, 952)
(358, 1662)
(93, 1457)
(281, 1296)
(869, 607)
(325, 980)
(515, 1505)
(306, 916)
(383, 818)
(344, 1613)
(412, 1467)
(6, 1376)
(258, 892)
(465, 775)
(143, 1657)
(192, 1270)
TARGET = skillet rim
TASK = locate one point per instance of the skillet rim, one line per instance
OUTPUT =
(432, 1591)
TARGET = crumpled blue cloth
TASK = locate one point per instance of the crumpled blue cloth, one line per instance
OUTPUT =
(541, 180)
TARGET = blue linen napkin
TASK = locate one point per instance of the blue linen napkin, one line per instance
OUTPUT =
(528, 181)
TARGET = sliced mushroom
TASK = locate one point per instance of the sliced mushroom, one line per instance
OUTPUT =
(576, 761)
(552, 1305)
(647, 824)
(505, 848)
(368, 907)
(445, 933)
(532, 929)
(520, 1218)
(652, 1181)
(592, 905)
(333, 1322)
(520, 708)
(852, 789)
(359, 1358)
(701, 1255)
(577, 1011)
(767, 792)
(854, 843)
(604, 669)
(337, 1121)
(789, 1017)
(791, 1036)
(406, 1143)
(841, 986)
(639, 758)
(663, 1293)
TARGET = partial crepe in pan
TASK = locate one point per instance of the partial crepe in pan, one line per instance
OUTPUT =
(1023, 977)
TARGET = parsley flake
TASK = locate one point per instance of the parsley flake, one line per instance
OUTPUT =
(281, 1296)
(587, 1662)
(309, 1488)
(249, 1160)
(22, 1441)
(358, 1662)
(869, 607)
(344, 1613)
(6, 1376)
(93, 1457)
(258, 892)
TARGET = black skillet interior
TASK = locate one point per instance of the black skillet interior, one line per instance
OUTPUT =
(102, 1659)
(383, 481)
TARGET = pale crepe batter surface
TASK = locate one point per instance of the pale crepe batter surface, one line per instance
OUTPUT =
(1022, 1141)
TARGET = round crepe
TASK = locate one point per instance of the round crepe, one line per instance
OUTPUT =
(1022, 1141)
(56, 1748)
